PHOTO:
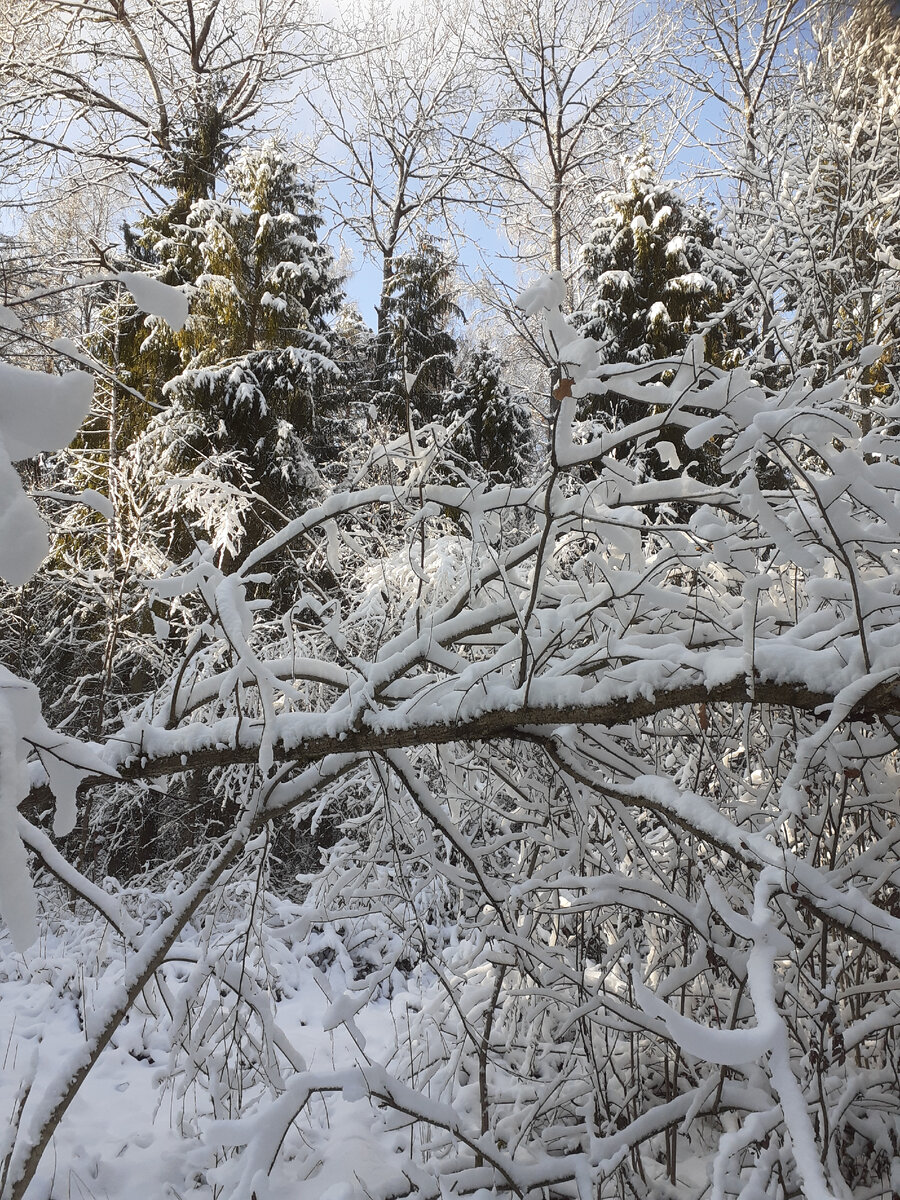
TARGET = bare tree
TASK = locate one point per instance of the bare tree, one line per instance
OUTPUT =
(67, 231)
(396, 118)
(568, 79)
(740, 54)
(120, 84)
(823, 264)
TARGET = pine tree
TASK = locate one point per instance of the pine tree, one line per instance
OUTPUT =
(496, 435)
(649, 276)
(255, 355)
(652, 276)
(416, 349)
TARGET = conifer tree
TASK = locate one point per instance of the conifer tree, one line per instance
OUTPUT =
(496, 436)
(652, 278)
(237, 391)
(416, 348)
(649, 279)
(162, 244)
(255, 355)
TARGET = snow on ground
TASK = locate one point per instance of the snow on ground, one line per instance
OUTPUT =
(144, 1118)
(131, 1121)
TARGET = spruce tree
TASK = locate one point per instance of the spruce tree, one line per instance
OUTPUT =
(652, 276)
(351, 395)
(416, 349)
(255, 355)
(496, 435)
(146, 355)
(238, 392)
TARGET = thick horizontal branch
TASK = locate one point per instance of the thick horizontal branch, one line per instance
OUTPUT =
(202, 748)
(378, 732)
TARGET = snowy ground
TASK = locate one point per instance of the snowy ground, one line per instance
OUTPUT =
(145, 1112)
(171, 1113)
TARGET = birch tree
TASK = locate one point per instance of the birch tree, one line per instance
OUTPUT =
(395, 116)
(567, 80)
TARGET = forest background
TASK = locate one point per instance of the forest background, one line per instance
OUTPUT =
(452, 749)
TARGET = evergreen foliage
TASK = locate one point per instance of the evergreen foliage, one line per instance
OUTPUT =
(199, 153)
(496, 435)
(649, 276)
(165, 245)
(651, 279)
(238, 422)
(351, 409)
(416, 349)
(255, 355)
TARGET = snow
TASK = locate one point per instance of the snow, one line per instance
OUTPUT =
(87, 496)
(37, 412)
(9, 320)
(658, 313)
(668, 455)
(129, 1121)
(531, 707)
(19, 713)
(157, 298)
(692, 281)
(547, 293)
(24, 543)
(727, 1047)
(870, 354)
(41, 412)
(620, 281)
